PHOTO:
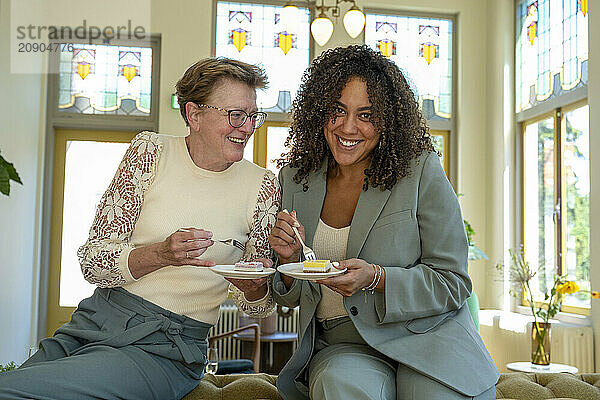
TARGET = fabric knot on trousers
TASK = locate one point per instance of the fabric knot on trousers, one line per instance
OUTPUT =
(169, 326)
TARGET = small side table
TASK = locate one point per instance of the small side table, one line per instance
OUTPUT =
(275, 349)
(525, 366)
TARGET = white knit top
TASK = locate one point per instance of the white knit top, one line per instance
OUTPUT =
(330, 244)
(156, 191)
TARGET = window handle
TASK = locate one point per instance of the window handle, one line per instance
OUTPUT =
(556, 212)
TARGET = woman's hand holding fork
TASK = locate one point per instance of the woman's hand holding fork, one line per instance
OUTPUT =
(283, 240)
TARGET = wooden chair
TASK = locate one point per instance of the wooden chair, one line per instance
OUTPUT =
(255, 351)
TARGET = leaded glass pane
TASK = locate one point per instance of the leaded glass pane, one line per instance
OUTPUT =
(576, 214)
(253, 33)
(104, 79)
(551, 50)
(538, 169)
(422, 48)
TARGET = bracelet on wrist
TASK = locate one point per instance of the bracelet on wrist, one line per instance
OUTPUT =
(380, 269)
(376, 278)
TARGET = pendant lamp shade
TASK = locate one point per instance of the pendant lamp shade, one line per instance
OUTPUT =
(354, 21)
(321, 29)
(290, 15)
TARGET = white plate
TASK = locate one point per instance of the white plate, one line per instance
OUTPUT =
(295, 271)
(228, 272)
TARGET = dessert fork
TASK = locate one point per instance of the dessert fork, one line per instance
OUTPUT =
(229, 242)
(306, 251)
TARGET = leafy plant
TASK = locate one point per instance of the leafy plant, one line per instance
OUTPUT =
(8, 367)
(7, 173)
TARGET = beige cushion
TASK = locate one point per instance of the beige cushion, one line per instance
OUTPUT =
(235, 387)
(527, 386)
(514, 386)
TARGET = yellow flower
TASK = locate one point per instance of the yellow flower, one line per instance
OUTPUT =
(568, 287)
(595, 294)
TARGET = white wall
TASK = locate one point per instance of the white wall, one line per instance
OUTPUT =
(186, 31)
(21, 105)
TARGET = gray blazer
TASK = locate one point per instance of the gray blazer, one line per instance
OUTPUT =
(416, 232)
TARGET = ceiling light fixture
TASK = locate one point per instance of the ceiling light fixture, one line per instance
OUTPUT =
(322, 26)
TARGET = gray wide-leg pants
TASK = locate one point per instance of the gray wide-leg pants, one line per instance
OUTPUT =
(354, 370)
(116, 346)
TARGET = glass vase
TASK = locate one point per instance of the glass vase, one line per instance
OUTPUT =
(540, 343)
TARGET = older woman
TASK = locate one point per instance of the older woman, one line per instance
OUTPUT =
(142, 335)
(368, 191)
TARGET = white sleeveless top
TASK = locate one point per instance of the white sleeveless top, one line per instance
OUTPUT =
(330, 244)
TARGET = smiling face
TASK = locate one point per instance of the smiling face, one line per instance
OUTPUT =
(350, 134)
(219, 143)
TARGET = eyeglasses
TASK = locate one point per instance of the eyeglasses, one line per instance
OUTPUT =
(238, 118)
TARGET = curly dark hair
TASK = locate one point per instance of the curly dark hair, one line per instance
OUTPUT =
(396, 115)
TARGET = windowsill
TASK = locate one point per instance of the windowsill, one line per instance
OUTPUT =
(562, 317)
(518, 321)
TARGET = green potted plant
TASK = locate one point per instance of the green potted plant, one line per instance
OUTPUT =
(7, 173)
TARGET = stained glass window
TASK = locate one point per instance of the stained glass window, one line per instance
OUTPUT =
(422, 48)
(253, 33)
(104, 79)
(552, 49)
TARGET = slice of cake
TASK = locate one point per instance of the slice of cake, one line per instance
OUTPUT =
(316, 266)
(250, 266)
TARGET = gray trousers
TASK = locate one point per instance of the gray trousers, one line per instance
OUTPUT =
(345, 367)
(116, 346)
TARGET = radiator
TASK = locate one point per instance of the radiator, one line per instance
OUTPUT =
(229, 348)
(573, 346)
(507, 337)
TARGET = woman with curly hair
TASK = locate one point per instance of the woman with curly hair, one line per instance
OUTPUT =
(367, 191)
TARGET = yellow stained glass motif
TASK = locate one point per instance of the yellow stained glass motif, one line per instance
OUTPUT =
(531, 21)
(429, 36)
(285, 41)
(531, 32)
(129, 72)
(583, 6)
(238, 38)
(83, 69)
(386, 47)
(428, 52)
(129, 63)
